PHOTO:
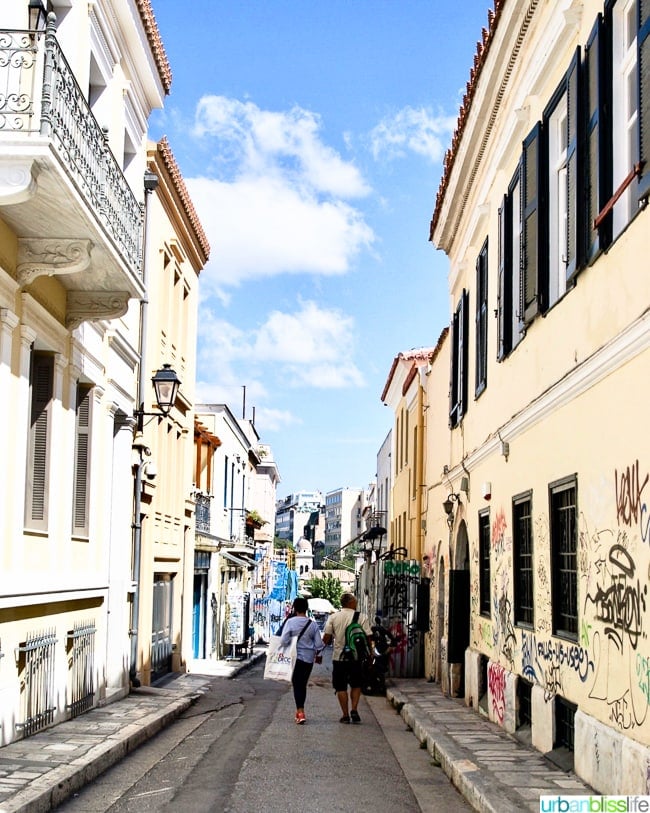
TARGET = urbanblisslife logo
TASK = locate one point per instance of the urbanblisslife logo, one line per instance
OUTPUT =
(594, 804)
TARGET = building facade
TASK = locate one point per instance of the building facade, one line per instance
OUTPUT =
(72, 161)
(176, 250)
(542, 211)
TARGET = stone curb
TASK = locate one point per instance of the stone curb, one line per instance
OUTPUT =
(479, 790)
(61, 782)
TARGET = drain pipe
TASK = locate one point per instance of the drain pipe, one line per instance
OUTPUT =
(138, 446)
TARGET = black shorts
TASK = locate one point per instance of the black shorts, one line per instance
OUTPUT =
(346, 673)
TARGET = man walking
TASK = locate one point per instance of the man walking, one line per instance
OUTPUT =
(346, 672)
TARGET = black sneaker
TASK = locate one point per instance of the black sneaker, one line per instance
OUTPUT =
(354, 716)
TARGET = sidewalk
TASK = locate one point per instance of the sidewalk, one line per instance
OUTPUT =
(39, 772)
(492, 770)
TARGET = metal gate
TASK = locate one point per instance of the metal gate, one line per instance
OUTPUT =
(395, 590)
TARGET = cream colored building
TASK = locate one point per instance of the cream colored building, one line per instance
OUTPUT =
(75, 100)
(542, 211)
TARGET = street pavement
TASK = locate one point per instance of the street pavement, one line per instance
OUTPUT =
(490, 768)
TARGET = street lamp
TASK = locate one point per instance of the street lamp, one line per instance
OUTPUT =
(371, 541)
(448, 506)
(165, 384)
(37, 14)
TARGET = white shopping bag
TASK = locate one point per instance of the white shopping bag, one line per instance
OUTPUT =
(280, 662)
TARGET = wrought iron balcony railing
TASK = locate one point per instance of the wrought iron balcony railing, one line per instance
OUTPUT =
(202, 513)
(40, 99)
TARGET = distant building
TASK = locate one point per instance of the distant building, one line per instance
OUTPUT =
(343, 518)
(293, 513)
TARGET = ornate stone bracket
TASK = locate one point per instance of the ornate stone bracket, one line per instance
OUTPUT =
(91, 306)
(39, 256)
(17, 181)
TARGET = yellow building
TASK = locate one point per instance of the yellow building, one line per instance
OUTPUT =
(176, 249)
(542, 211)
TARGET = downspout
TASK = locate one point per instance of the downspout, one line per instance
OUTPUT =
(150, 184)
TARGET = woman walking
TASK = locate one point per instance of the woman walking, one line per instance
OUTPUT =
(309, 648)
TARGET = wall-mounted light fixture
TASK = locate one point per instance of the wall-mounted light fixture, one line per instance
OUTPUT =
(371, 540)
(37, 15)
(505, 449)
(448, 506)
(165, 384)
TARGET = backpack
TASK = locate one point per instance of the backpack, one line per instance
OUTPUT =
(356, 642)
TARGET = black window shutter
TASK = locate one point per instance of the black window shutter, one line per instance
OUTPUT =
(481, 326)
(643, 44)
(453, 384)
(598, 166)
(531, 290)
(574, 172)
(463, 353)
(504, 290)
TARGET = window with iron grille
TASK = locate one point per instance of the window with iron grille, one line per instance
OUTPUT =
(36, 657)
(81, 658)
(565, 713)
(484, 561)
(524, 703)
(481, 319)
(522, 538)
(564, 556)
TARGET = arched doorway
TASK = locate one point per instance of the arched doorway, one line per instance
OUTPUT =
(459, 612)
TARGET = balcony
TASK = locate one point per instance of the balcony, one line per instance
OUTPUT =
(61, 189)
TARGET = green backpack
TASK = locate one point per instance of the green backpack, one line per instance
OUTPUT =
(356, 642)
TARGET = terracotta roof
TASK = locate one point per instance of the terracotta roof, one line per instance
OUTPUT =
(482, 49)
(156, 43)
(415, 355)
(179, 184)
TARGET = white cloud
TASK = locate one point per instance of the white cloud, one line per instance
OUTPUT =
(261, 142)
(312, 347)
(415, 130)
(277, 197)
(259, 227)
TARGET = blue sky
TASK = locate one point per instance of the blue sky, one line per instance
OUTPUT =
(310, 136)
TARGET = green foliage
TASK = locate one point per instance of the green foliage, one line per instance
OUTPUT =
(327, 587)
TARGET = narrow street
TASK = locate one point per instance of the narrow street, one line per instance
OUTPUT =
(238, 750)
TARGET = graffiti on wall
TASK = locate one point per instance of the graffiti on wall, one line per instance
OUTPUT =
(545, 661)
(631, 509)
(497, 691)
(616, 600)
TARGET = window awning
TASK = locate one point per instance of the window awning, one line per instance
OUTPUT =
(240, 562)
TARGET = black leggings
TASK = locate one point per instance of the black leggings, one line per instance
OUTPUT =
(301, 673)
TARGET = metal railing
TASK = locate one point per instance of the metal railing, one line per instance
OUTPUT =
(39, 95)
(81, 640)
(202, 513)
(36, 661)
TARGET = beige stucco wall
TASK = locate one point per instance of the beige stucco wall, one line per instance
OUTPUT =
(569, 399)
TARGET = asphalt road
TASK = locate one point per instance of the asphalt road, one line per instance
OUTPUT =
(238, 750)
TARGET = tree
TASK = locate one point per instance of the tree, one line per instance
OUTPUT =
(327, 587)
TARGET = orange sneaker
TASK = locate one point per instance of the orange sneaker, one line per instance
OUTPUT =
(300, 717)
